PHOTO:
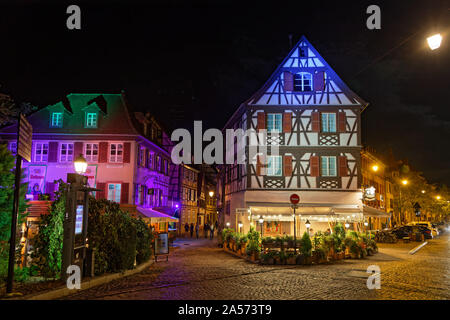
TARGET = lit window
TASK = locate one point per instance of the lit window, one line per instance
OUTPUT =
(57, 119)
(328, 122)
(41, 152)
(13, 147)
(303, 81)
(328, 165)
(91, 120)
(66, 152)
(274, 122)
(158, 163)
(114, 192)
(116, 153)
(274, 166)
(91, 152)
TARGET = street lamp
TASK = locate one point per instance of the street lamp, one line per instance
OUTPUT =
(261, 222)
(375, 168)
(423, 191)
(404, 182)
(228, 224)
(211, 194)
(80, 164)
(347, 225)
(307, 225)
(438, 197)
(240, 226)
(434, 41)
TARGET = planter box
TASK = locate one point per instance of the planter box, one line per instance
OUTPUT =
(307, 260)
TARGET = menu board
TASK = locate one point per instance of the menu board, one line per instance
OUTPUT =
(79, 219)
(162, 244)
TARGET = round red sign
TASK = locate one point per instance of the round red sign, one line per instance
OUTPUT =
(294, 198)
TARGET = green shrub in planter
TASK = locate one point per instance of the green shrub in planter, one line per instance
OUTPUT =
(306, 245)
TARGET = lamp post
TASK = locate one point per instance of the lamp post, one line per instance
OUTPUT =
(240, 226)
(80, 164)
(261, 222)
(404, 182)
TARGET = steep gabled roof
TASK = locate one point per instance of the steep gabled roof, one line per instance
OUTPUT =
(334, 93)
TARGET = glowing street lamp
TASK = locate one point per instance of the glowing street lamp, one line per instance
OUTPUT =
(261, 221)
(228, 224)
(375, 168)
(423, 191)
(438, 197)
(80, 164)
(434, 41)
(347, 225)
(211, 194)
(405, 182)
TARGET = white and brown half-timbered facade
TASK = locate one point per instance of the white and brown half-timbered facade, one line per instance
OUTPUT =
(314, 119)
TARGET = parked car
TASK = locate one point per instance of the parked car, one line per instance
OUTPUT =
(426, 224)
(405, 231)
(442, 227)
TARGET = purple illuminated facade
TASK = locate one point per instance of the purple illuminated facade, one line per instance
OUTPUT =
(127, 153)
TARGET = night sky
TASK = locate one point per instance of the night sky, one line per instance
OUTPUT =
(186, 61)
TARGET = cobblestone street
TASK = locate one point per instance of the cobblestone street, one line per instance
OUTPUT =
(197, 269)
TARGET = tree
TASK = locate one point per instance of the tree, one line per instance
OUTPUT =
(9, 111)
(7, 177)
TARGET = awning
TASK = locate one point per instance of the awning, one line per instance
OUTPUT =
(155, 216)
(372, 212)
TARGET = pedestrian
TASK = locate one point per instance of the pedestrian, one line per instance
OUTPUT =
(186, 229)
(216, 225)
(197, 229)
(192, 230)
(211, 229)
(206, 229)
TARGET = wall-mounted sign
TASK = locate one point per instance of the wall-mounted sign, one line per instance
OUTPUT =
(36, 179)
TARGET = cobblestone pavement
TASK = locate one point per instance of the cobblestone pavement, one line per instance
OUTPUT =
(197, 270)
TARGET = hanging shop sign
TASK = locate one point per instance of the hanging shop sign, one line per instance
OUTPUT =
(91, 174)
(369, 193)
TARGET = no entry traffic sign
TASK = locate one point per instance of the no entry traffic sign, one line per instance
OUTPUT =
(294, 198)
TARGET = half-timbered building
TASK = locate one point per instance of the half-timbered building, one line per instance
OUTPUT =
(314, 119)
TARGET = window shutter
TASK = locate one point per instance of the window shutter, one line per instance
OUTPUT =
(343, 169)
(315, 121)
(261, 121)
(126, 152)
(288, 81)
(287, 122)
(342, 119)
(100, 194)
(53, 151)
(103, 152)
(77, 149)
(319, 81)
(314, 166)
(287, 166)
(124, 193)
(259, 165)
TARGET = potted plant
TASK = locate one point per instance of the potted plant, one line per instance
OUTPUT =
(276, 257)
(279, 241)
(291, 258)
(243, 243)
(305, 248)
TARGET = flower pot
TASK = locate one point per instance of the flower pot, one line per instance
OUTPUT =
(291, 260)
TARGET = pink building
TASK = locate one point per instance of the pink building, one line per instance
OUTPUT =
(126, 152)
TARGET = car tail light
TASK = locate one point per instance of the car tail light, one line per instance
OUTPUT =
(427, 231)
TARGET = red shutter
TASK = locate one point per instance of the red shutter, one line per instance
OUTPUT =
(261, 121)
(314, 166)
(287, 166)
(77, 149)
(342, 122)
(53, 151)
(100, 194)
(319, 81)
(126, 152)
(343, 169)
(103, 152)
(287, 122)
(124, 193)
(288, 81)
(315, 121)
(259, 165)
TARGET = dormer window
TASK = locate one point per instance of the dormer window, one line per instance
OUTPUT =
(57, 120)
(303, 81)
(91, 120)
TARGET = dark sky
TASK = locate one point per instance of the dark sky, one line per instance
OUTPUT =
(188, 61)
